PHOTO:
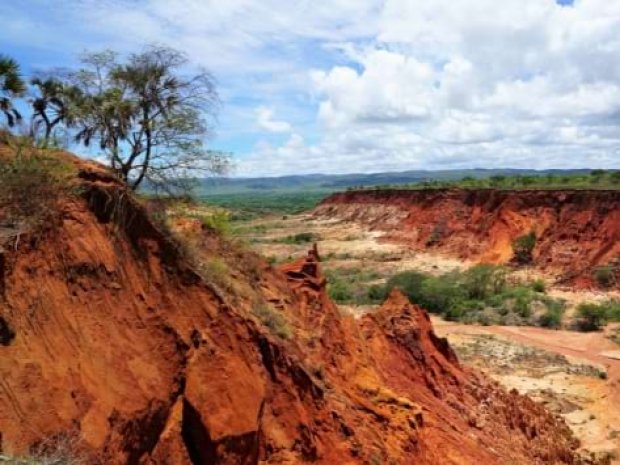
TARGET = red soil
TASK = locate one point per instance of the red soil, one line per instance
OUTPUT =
(576, 230)
(119, 342)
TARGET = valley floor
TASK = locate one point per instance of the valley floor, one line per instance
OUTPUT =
(575, 374)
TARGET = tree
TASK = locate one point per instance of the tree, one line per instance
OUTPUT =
(523, 248)
(11, 86)
(148, 117)
(54, 103)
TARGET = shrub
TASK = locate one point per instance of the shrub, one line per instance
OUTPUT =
(301, 238)
(218, 221)
(376, 293)
(552, 318)
(539, 286)
(523, 247)
(274, 320)
(591, 317)
(31, 184)
(605, 276)
(480, 294)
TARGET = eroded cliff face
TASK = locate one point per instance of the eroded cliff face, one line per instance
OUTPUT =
(117, 341)
(576, 230)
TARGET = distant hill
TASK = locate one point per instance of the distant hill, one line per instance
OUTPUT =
(333, 182)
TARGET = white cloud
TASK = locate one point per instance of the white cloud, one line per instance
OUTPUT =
(526, 83)
(264, 120)
(373, 85)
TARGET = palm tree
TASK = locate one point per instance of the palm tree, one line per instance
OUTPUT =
(11, 86)
(54, 104)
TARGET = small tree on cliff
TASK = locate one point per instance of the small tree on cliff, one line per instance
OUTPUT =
(11, 86)
(54, 103)
(523, 248)
(150, 119)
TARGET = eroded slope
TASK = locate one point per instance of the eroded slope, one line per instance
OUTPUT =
(576, 231)
(113, 337)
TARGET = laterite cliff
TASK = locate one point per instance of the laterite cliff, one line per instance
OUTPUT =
(576, 230)
(109, 334)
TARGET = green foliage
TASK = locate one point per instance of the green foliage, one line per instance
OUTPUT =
(217, 220)
(301, 238)
(147, 116)
(480, 294)
(11, 87)
(591, 317)
(351, 286)
(274, 320)
(248, 206)
(31, 183)
(605, 276)
(539, 285)
(523, 247)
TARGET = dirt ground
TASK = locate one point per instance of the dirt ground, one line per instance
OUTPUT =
(577, 375)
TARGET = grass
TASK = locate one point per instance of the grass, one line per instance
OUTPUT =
(32, 181)
(274, 320)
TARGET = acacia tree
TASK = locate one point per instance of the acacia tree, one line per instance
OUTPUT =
(150, 119)
(54, 103)
(11, 86)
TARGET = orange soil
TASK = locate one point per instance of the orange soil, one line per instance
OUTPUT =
(576, 230)
(593, 348)
(108, 334)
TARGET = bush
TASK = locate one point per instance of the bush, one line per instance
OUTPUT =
(591, 317)
(539, 286)
(274, 320)
(301, 238)
(523, 248)
(605, 276)
(31, 184)
(218, 221)
(480, 294)
(552, 318)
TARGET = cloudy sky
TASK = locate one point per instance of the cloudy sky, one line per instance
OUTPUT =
(365, 85)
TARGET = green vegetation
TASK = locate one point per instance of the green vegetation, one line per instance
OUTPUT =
(147, 116)
(594, 179)
(248, 206)
(301, 238)
(592, 316)
(605, 276)
(351, 285)
(274, 320)
(478, 295)
(523, 247)
(31, 183)
(11, 87)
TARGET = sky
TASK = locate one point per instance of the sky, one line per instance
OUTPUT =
(351, 86)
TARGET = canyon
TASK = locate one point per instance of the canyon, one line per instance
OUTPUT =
(118, 335)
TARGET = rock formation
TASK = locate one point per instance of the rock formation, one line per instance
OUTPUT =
(113, 337)
(576, 230)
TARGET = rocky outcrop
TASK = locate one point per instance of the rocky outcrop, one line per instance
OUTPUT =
(576, 230)
(119, 342)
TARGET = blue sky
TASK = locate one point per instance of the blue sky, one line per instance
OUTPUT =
(369, 85)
